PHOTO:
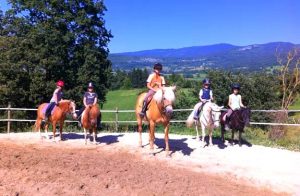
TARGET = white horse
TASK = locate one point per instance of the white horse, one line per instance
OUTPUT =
(209, 119)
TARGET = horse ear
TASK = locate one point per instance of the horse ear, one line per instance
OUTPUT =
(173, 88)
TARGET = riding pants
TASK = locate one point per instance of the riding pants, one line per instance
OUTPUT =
(49, 109)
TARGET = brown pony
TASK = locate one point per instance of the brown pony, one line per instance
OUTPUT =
(89, 121)
(160, 110)
(58, 116)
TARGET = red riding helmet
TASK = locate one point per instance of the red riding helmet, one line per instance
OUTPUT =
(60, 83)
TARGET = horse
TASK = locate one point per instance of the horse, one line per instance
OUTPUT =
(209, 119)
(238, 120)
(159, 111)
(89, 122)
(58, 116)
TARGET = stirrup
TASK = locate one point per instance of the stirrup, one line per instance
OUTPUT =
(227, 128)
(142, 114)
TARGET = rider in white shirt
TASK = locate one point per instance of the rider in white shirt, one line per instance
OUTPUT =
(234, 103)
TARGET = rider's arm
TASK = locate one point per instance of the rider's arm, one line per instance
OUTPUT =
(150, 87)
(211, 96)
(95, 101)
(149, 82)
(163, 82)
(241, 103)
(84, 102)
(229, 102)
(55, 96)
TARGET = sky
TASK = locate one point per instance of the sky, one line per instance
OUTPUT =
(151, 24)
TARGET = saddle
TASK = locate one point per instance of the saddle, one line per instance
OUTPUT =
(45, 108)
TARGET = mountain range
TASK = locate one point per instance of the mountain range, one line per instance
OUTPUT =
(193, 59)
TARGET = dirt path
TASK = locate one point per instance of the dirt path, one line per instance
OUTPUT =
(30, 166)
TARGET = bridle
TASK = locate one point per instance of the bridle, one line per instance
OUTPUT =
(212, 117)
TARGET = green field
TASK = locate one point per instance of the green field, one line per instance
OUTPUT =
(123, 100)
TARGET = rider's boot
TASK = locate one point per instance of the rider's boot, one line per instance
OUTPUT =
(227, 128)
(143, 112)
(196, 114)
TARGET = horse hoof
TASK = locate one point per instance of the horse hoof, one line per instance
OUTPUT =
(168, 154)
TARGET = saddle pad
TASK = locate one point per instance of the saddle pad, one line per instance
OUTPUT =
(45, 107)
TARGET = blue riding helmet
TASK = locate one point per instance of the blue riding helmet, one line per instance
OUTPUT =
(90, 85)
(236, 86)
(206, 81)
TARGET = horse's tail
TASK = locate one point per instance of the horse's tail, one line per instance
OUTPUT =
(190, 120)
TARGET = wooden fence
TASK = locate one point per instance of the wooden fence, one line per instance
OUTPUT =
(116, 121)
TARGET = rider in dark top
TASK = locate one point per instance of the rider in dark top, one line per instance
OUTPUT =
(90, 98)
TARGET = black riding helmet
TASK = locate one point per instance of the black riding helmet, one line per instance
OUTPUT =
(157, 66)
(206, 81)
(236, 86)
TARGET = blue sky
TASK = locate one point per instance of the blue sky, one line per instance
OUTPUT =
(149, 24)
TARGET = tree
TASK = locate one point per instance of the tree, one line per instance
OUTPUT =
(47, 40)
(289, 77)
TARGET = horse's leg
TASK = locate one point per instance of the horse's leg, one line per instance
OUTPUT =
(167, 126)
(46, 130)
(210, 136)
(85, 136)
(61, 125)
(38, 126)
(222, 133)
(140, 129)
(151, 134)
(232, 137)
(54, 129)
(203, 135)
(94, 135)
(240, 137)
(197, 130)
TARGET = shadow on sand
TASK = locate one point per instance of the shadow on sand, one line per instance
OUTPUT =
(175, 145)
(107, 139)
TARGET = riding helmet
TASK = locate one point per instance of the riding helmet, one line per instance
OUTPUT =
(90, 85)
(206, 81)
(60, 83)
(235, 86)
(157, 66)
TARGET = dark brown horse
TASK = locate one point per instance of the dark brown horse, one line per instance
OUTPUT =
(238, 120)
(89, 121)
(58, 116)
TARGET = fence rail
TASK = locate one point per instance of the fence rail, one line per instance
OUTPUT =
(9, 110)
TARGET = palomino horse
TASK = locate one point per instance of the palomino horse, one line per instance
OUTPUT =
(209, 119)
(238, 120)
(160, 110)
(89, 121)
(58, 116)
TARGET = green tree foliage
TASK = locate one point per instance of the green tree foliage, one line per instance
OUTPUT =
(46, 40)
(127, 80)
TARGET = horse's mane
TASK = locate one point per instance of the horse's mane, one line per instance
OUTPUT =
(167, 94)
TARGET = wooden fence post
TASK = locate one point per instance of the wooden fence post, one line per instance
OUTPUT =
(8, 117)
(117, 119)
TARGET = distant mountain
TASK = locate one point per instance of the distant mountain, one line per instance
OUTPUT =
(194, 59)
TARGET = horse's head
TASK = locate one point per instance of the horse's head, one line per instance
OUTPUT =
(216, 113)
(68, 106)
(166, 96)
(246, 113)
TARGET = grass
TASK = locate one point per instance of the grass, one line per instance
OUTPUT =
(123, 100)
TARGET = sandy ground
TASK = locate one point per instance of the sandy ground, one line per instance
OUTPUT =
(30, 165)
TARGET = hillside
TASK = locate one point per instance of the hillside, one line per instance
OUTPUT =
(254, 57)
